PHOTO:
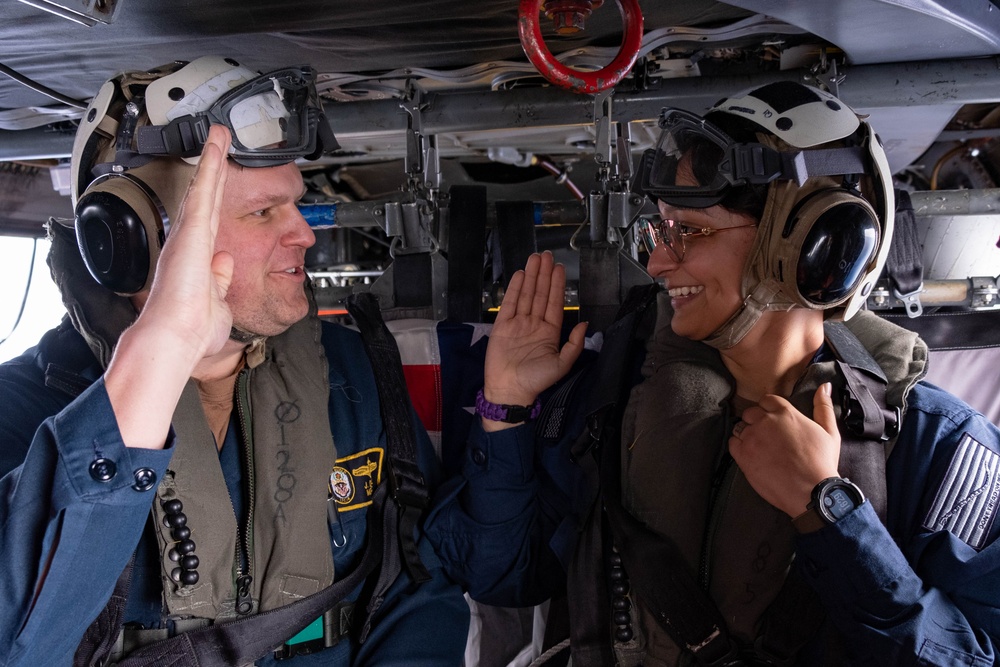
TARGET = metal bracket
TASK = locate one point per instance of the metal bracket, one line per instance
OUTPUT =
(602, 138)
(911, 301)
(422, 162)
(410, 224)
(86, 12)
(612, 146)
(413, 104)
(824, 73)
(985, 293)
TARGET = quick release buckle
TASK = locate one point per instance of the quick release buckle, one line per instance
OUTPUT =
(324, 632)
(407, 485)
(183, 137)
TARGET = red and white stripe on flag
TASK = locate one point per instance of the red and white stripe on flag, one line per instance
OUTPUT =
(421, 357)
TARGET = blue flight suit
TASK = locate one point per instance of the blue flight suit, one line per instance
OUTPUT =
(79, 523)
(902, 594)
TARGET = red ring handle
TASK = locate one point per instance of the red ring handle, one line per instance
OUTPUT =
(530, 30)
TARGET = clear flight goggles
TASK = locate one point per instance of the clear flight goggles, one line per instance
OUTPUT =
(656, 231)
(694, 162)
(274, 118)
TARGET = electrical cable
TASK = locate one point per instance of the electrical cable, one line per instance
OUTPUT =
(27, 288)
(39, 88)
(562, 176)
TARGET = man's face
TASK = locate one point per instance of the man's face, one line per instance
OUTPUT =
(262, 229)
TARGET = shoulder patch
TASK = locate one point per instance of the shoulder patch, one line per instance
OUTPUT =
(966, 500)
(353, 478)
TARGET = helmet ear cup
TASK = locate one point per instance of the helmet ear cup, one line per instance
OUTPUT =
(832, 239)
(120, 230)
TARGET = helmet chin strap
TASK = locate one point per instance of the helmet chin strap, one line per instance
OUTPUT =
(761, 292)
(243, 336)
(739, 325)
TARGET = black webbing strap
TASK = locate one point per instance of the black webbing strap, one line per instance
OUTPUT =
(246, 639)
(801, 165)
(513, 238)
(868, 421)
(792, 619)
(467, 213)
(655, 567)
(659, 575)
(406, 482)
(904, 266)
(587, 593)
(412, 280)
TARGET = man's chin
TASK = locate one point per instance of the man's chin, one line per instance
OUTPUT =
(243, 336)
(247, 332)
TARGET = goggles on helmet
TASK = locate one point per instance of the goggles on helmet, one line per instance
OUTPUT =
(695, 163)
(274, 118)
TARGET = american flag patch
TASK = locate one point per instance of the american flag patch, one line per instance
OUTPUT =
(966, 501)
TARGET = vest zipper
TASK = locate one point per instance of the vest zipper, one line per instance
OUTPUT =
(721, 485)
(244, 534)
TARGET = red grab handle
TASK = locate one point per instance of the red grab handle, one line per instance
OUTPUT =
(530, 30)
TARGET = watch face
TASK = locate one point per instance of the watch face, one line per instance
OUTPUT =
(837, 503)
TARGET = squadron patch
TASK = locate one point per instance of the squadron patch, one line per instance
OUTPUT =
(353, 478)
(966, 502)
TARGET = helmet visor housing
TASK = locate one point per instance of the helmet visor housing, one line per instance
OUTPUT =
(274, 118)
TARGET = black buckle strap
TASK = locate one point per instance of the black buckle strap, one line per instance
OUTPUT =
(868, 420)
(861, 412)
(410, 493)
(183, 137)
(324, 632)
(408, 489)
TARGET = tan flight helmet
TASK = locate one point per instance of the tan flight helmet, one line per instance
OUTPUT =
(138, 144)
(827, 221)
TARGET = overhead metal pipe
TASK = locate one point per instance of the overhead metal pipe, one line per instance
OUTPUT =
(356, 124)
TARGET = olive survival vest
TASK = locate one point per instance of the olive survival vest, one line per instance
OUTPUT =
(622, 560)
(390, 547)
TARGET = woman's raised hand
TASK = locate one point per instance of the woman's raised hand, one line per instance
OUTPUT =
(523, 357)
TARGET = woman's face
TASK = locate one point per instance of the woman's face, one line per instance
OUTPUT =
(705, 286)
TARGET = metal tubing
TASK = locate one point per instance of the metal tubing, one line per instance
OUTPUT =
(866, 87)
(956, 202)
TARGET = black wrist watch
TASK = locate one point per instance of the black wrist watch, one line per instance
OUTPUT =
(832, 500)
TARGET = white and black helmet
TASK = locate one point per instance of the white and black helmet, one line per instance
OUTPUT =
(827, 213)
(125, 193)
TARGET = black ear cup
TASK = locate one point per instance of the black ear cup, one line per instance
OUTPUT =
(836, 233)
(119, 229)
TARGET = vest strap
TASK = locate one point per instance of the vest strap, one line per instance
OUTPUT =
(406, 483)
(335, 624)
